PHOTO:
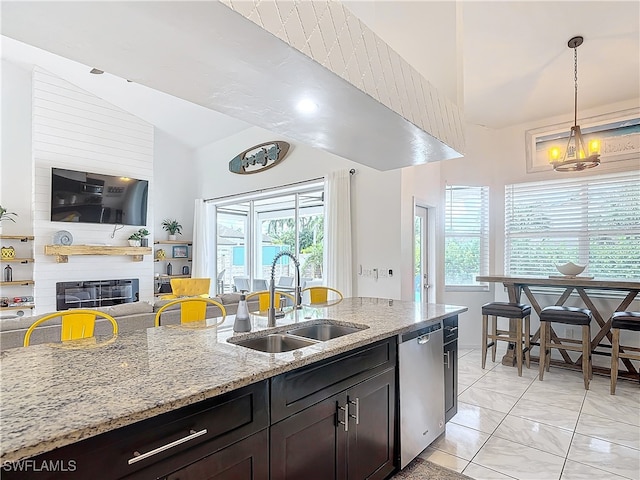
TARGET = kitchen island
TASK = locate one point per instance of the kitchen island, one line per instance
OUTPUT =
(56, 395)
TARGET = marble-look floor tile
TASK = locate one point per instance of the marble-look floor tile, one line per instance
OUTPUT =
(556, 396)
(469, 378)
(478, 472)
(530, 373)
(579, 471)
(460, 441)
(462, 387)
(444, 459)
(615, 409)
(609, 430)
(546, 414)
(519, 461)
(534, 434)
(478, 418)
(623, 461)
(488, 399)
(510, 385)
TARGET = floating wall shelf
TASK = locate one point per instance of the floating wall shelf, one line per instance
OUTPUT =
(62, 252)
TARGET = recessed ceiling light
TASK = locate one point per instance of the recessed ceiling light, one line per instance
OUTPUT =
(96, 71)
(307, 106)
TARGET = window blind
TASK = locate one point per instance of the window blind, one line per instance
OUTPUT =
(587, 220)
(466, 234)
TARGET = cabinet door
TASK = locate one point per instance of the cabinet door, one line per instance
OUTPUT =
(244, 460)
(450, 380)
(371, 435)
(310, 445)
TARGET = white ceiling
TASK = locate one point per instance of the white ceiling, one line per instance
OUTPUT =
(517, 66)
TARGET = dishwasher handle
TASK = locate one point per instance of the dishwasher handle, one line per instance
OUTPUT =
(422, 339)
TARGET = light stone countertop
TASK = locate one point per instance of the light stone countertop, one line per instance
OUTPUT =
(53, 395)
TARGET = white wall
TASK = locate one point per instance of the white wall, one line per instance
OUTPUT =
(375, 198)
(76, 130)
(16, 165)
(175, 186)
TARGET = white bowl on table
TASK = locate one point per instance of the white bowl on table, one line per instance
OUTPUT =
(570, 269)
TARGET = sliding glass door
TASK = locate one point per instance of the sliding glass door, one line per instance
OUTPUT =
(253, 231)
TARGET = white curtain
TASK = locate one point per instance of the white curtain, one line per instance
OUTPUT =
(337, 220)
(204, 252)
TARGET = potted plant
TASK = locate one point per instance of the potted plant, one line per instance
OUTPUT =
(5, 215)
(143, 233)
(135, 239)
(173, 227)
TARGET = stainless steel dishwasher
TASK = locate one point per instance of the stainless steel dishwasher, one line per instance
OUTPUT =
(421, 390)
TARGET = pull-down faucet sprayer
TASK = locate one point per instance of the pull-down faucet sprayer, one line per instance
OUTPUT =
(272, 286)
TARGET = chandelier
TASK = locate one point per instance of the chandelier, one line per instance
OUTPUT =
(578, 154)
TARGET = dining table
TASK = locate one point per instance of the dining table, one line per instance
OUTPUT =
(621, 291)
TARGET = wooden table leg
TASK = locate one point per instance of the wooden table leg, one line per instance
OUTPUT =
(509, 358)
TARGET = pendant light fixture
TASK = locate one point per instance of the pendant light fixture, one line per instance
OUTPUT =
(578, 154)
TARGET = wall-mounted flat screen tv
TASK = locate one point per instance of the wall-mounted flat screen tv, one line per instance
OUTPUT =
(96, 198)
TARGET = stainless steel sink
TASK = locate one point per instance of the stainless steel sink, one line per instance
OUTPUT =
(324, 331)
(275, 343)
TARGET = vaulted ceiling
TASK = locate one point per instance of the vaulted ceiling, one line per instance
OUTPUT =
(513, 62)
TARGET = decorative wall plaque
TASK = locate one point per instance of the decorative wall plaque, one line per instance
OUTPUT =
(260, 157)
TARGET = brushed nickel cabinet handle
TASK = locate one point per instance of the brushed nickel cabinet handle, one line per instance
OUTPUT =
(357, 415)
(137, 456)
(346, 416)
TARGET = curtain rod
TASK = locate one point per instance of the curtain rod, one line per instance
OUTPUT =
(263, 190)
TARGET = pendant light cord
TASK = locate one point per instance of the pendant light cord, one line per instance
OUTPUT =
(575, 80)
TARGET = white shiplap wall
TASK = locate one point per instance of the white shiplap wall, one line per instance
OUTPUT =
(76, 130)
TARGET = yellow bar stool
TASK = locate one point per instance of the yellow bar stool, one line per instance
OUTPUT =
(263, 299)
(75, 324)
(319, 294)
(622, 321)
(522, 339)
(192, 309)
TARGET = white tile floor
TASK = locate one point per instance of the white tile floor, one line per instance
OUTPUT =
(518, 427)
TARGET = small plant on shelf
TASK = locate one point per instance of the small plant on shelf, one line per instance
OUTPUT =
(135, 239)
(173, 227)
(5, 215)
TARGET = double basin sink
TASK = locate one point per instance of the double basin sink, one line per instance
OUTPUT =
(298, 337)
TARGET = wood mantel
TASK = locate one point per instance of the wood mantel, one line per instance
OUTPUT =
(62, 252)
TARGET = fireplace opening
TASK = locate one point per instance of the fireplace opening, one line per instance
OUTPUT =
(96, 293)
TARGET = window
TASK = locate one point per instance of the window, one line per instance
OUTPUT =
(254, 228)
(466, 235)
(594, 220)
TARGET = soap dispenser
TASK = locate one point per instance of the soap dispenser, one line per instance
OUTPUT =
(243, 321)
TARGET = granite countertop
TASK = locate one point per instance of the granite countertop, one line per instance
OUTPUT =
(54, 394)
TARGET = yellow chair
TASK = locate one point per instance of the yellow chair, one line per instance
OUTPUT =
(320, 294)
(76, 324)
(263, 298)
(188, 287)
(192, 309)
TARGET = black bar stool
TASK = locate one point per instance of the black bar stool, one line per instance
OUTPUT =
(515, 311)
(622, 321)
(568, 316)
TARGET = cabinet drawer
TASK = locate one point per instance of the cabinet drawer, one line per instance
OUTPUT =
(293, 391)
(219, 421)
(450, 328)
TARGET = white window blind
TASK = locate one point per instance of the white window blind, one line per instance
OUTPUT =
(594, 220)
(466, 234)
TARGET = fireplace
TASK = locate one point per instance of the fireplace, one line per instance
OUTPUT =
(96, 293)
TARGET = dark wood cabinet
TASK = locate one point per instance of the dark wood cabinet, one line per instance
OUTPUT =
(247, 459)
(371, 432)
(450, 367)
(350, 435)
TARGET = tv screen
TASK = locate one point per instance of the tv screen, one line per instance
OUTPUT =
(96, 198)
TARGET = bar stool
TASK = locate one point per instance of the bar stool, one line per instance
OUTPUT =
(568, 316)
(622, 321)
(512, 311)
